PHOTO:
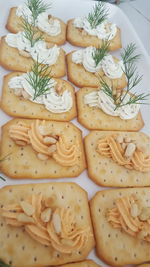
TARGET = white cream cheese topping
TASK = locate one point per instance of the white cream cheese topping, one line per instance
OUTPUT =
(39, 50)
(54, 102)
(104, 102)
(105, 30)
(111, 68)
(44, 23)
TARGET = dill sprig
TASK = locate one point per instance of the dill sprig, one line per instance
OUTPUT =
(2, 264)
(133, 78)
(39, 79)
(100, 53)
(2, 178)
(128, 55)
(30, 32)
(97, 15)
(37, 7)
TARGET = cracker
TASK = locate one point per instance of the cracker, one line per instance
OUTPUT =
(77, 38)
(22, 162)
(19, 107)
(11, 59)
(19, 249)
(78, 75)
(87, 263)
(94, 118)
(116, 247)
(104, 171)
(14, 25)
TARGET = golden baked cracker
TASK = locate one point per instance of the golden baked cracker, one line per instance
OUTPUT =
(116, 247)
(86, 263)
(76, 37)
(23, 161)
(94, 118)
(11, 59)
(17, 106)
(104, 171)
(14, 25)
(78, 75)
(19, 249)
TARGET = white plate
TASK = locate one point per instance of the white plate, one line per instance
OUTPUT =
(66, 9)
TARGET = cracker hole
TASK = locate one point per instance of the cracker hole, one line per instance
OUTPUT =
(10, 262)
(99, 210)
(10, 190)
(135, 255)
(17, 235)
(109, 235)
(58, 255)
(82, 217)
(2, 206)
(52, 187)
(10, 145)
(35, 259)
(116, 258)
(8, 235)
(62, 197)
(23, 247)
(36, 172)
(1, 224)
(79, 252)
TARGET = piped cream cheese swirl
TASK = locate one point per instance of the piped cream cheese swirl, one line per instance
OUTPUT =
(44, 23)
(112, 69)
(54, 102)
(100, 100)
(39, 50)
(105, 30)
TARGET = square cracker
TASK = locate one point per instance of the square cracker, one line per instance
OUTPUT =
(104, 171)
(116, 247)
(93, 118)
(10, 59)
(14, 25)
(78, 75)
(77, 37)
(19, 249)
(86, 263)
(22, 162)
(17, 106)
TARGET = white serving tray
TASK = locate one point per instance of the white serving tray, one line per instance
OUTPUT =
(67, 9)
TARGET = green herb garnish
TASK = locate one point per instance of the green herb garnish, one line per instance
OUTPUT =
(2, 264)
(30, 32)
(100, 53)
(98, 15)
(2, 178)
(133, 78)
(37, 7)
(39, 79)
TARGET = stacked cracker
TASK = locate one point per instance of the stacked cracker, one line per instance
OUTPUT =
(115, 159)
(42, 149)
